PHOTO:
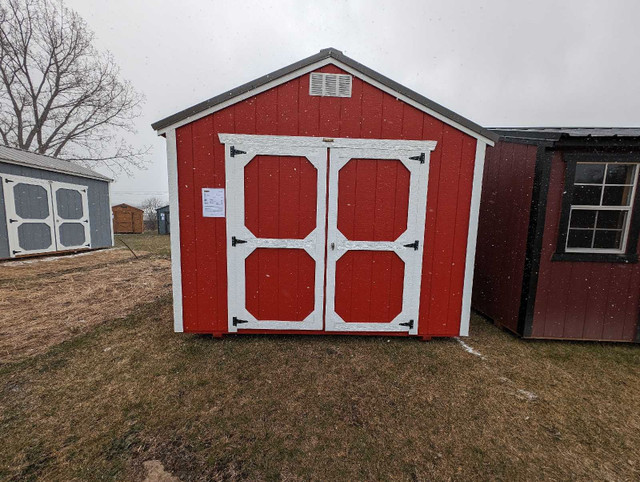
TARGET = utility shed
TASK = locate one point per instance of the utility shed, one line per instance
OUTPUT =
(323, 198)
(164, 221)
(557, 252)
(127, 219)
(49, 205)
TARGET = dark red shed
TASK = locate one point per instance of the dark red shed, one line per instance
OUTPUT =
(557, 253)
(323, 198)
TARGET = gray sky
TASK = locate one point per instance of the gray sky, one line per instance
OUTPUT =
(497, 62)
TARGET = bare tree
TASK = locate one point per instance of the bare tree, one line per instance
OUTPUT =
(149, 206)
(59, 95)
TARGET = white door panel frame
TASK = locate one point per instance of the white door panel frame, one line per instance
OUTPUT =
(412, 258)
(84, 220)
(14, 221)
(238, 154)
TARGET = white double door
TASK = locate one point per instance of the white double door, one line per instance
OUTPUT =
(45, 216)
(306, 215)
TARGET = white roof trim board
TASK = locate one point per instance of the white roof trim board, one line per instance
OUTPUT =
(10, 155)
(324, 57)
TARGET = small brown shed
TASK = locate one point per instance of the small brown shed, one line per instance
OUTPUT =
(127, 219)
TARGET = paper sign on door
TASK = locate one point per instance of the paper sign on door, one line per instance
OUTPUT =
(212, 202)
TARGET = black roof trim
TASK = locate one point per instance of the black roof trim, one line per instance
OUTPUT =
(325, 54)
(555, 134)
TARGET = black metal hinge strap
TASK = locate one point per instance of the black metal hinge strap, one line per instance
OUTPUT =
(413, 245)
(420, 158)
(408, 323)
(7, 180)
(16, 252)
(237, 321)
(235, 152)
(235, 241)
(13, 220)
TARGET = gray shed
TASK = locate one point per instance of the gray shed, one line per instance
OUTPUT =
(164, 221)
(50, 205)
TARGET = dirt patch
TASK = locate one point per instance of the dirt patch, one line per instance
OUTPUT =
(46, 301)
(156, 473)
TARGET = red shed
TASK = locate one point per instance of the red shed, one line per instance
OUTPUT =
(323, 198)
(558, 246)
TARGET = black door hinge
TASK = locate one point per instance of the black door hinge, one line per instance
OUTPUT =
(408, 323)
(7, 180)
(16, 252)
(235, 241)
(88, 245)
(420, 158)
(413, 245)
(13, 220)
(235, 152)
(237, 321)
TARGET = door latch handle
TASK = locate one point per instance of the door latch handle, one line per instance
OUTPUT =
(333, 246)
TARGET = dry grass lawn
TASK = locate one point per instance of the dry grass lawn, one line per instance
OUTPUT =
(318, 408)
(44, 301)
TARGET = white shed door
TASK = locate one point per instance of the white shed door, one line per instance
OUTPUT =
(276, 233)
(376, 221)
(71, 210)
(30, 219)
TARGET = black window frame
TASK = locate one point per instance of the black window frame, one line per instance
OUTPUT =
(630, 255)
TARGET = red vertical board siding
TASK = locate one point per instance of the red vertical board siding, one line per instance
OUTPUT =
(463, 205)
(502, 231)
(434, 130)
(582, 300)
(445, 231)
(205, 228)
(289, 110)
(186, 199)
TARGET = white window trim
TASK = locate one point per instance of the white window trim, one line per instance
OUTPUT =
(628, 209)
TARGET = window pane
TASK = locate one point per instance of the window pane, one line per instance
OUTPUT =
(608, 239)
(579, 238)
(620, 174)
(586, 195)
(616, 196)
(611, 219)
(590, 173)
(583, 218)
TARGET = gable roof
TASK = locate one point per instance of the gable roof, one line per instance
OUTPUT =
(336, 57)
(125, 205)
(11, 155)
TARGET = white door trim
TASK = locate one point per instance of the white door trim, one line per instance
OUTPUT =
(174, 235)
(238, 154)
(10, 211)
(412, 258)
(327, 142)
(472, 237)
(84, 220)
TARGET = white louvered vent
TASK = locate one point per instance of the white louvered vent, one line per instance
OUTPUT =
(330, 85)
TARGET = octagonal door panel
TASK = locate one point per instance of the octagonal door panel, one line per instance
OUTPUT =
(30, 215)
(376, 211)
(276, 217)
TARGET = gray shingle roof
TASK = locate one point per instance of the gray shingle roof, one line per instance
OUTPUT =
(324, 54)
(11, 155)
